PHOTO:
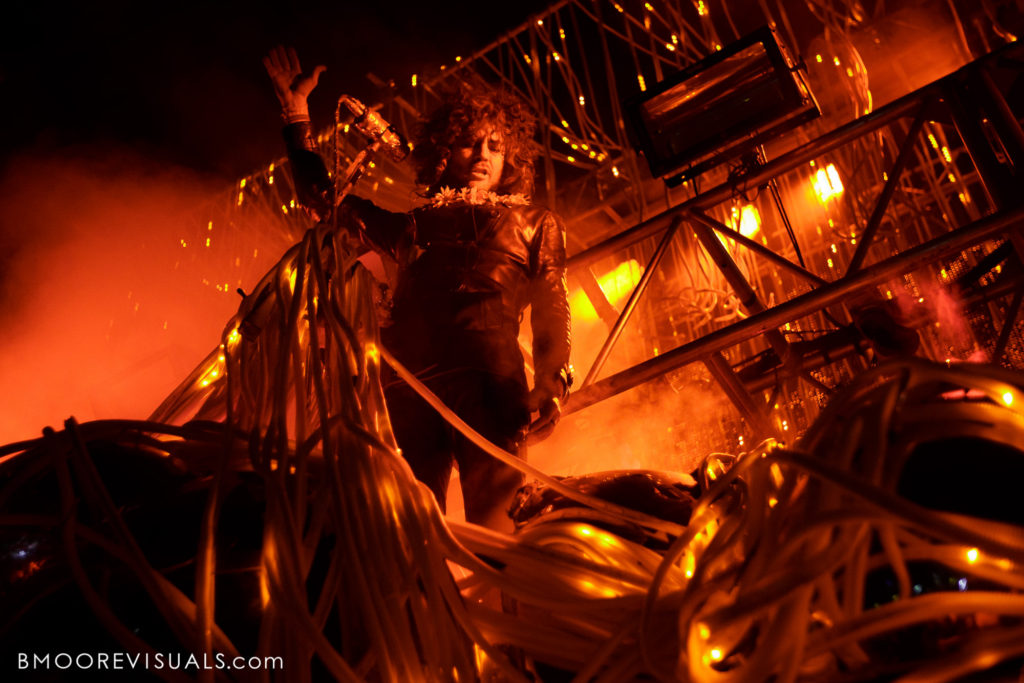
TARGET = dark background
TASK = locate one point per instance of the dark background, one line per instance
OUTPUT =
(183, 82)
(125, 126)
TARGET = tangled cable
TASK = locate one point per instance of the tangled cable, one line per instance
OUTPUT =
(362, 576)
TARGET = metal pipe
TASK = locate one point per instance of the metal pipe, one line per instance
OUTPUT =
(787, 162)
(1006, 124)
(746, 294)
(751, 410)
(592, 289)
(995, 177)
(627, 311)
(848, 343)
(701, 217)
(941, 247)
(868, 236)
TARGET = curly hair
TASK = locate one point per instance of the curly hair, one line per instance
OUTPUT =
(462, 112)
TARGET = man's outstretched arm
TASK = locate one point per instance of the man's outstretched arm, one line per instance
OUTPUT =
(549, 319)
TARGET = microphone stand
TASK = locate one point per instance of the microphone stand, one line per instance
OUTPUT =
(255, 304)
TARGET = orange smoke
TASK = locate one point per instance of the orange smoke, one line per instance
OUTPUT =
(98, 321)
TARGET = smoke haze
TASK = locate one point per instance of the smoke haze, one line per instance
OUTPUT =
(98, 321)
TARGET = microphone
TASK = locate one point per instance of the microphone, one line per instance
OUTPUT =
(370, 124)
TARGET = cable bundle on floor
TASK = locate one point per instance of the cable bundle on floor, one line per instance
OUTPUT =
(799, 563)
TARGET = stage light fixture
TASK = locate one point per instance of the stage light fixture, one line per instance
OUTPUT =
(721, 107)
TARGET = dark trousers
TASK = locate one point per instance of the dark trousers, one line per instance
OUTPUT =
(493, 405)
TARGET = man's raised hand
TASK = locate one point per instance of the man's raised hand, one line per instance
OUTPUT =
(290, 84)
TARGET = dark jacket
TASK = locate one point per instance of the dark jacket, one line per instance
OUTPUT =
(466, 274)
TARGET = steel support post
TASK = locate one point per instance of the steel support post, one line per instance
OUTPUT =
(752, 410)
(761, 250)
(942, 246)
(746, 294)
(787, 162)
(868, 236)
(590, 286)
(627, 310)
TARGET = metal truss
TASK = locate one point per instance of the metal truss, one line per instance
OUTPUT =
(990, 139)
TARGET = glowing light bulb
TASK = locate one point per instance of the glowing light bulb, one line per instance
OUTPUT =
(1008, 398)
(750, 220)
(972, 555)
(827, 183)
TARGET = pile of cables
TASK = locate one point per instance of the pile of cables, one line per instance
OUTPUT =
(265, 512)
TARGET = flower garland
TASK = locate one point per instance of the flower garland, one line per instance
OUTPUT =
(447, 196)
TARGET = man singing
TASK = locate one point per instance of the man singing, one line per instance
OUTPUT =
(470, 261)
